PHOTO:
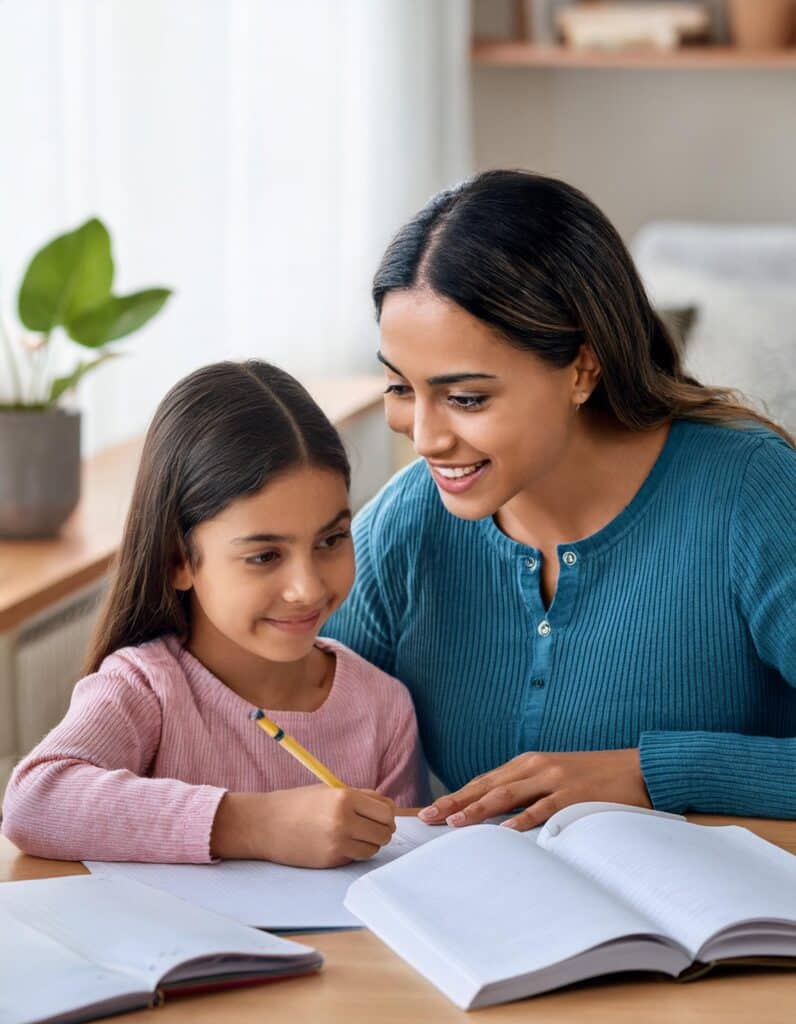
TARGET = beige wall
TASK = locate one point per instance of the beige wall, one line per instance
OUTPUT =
(706, 145)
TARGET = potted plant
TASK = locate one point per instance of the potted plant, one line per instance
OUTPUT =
(66, 289)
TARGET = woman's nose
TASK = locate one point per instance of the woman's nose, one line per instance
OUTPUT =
(430, 435)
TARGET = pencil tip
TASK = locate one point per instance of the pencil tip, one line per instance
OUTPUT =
(256, 713)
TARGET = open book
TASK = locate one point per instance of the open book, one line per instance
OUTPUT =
(489, 914)
(80, 947)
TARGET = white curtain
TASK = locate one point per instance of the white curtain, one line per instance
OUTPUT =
(255, 155)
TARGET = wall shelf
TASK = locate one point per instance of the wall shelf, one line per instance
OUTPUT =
(506, 53)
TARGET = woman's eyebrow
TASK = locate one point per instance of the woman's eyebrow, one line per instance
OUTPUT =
(443, 378)
(277, 538)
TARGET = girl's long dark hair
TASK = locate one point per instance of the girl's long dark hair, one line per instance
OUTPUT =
(221, 433)
(533, 258)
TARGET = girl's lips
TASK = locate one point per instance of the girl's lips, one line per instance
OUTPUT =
(458, 484)
(305, 625)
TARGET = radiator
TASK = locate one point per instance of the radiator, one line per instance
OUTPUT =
(42, 661)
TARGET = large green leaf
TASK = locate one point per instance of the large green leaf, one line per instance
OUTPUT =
(117, 316)
(63, 384)
(68, 276)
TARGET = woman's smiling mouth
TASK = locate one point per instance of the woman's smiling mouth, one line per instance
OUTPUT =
(456, 479)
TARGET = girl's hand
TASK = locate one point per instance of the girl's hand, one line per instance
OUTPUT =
(310, 827)
(543, 783)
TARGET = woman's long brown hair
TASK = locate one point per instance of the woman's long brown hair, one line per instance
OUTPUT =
(224, 431)
(538, 262)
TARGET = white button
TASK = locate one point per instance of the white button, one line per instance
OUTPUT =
(530, 563)
(570, 558)
(544, 628)
(553, 830)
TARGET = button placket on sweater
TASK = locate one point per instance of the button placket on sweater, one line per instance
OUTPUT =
(548, 625)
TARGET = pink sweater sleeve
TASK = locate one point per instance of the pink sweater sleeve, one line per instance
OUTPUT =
(82, 794)
(404, 775)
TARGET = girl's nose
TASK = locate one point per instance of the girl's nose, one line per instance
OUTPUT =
(304, 586)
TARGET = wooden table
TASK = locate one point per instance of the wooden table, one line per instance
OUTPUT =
(363, 982)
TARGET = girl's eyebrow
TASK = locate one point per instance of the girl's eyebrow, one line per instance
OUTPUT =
(276, 538)
(444, 378)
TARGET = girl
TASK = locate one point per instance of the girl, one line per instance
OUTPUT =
(236, 550)
(588, 580)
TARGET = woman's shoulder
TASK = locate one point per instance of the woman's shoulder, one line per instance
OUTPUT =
(403, 508)
(730, 453)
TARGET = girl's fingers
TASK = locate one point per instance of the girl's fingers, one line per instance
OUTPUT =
(375, 807)
(357, 850)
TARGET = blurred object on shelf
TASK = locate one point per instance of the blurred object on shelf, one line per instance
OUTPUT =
(541, 20)
(613, 26)
(762, 24)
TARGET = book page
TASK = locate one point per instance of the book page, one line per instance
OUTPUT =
(41, 978)
(122, 926)
(268, 895)
(692, 880)
(484, 903)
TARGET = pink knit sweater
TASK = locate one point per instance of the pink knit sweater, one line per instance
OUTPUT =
(153, 740)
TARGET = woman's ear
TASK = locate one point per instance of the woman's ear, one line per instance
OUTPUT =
(587, 374)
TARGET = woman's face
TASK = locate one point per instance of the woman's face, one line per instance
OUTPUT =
(489, 419)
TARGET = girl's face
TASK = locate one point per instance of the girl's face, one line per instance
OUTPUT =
(273, 566)
(490, 419)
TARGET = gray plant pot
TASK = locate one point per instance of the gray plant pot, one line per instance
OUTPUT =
(39, 470)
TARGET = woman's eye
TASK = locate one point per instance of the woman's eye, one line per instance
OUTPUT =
(399, 390)
(467, 401)
(334, 540)
(263, 558)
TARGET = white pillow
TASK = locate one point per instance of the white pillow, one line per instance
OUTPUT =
(744, 336)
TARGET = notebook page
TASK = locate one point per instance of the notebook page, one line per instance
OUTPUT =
(269, 895)
(484, 904)
(692, 880)
(40, 978)
(130, 928)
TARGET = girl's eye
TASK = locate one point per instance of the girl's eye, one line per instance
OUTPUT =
(399, 390)
(263, 558)
(334, 540)
(467, 401)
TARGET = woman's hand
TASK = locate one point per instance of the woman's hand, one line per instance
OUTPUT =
(543, 783)
(310, 827)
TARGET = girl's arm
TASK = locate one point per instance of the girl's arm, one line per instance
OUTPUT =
(404, 776)
(82, 794)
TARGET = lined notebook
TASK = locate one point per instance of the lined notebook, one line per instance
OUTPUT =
(489, 915)
(80, 947)
(287, 898)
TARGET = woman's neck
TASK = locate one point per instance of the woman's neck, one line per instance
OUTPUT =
(598, 475)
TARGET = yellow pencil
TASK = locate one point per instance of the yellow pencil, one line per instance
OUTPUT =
(295, 748)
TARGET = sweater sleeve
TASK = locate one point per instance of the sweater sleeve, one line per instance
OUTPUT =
(403, 772)
(738, 774)
(83, 794)
(363, 622)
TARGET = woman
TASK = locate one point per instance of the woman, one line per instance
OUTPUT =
(588, 580)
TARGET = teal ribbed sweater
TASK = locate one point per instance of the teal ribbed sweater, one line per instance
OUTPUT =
(673, 628)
